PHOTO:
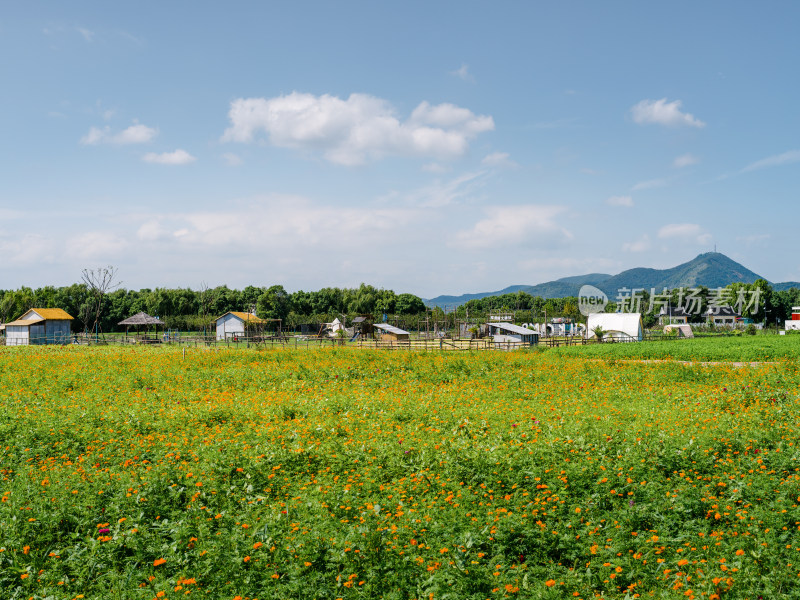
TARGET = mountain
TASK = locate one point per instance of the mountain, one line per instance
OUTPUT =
(711, 269)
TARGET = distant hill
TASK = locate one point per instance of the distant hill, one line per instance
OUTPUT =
(711, 269)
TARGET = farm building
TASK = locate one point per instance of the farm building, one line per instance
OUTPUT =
(510, 333)
(672, 315)
(794, 322)
(390, 332)
(233, 325)
(333, 328)
(40, 326)
(724, 316)
(622, 327)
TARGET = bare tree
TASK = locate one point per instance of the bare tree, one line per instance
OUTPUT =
(205, 301)
(99, 282)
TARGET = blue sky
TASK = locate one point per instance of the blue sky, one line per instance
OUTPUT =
(432, 148)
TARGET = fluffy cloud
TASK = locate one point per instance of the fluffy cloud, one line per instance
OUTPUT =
(620, 201)
(355, 130)
(96, 245)
(135, 134)
(277, 222)
(685, 231)
(514, 226)
(29, 249)
(786, 158)
(685, 160)
(178, 157)
(662, 112)
(640, 245)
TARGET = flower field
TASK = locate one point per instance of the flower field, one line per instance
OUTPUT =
(142, 473)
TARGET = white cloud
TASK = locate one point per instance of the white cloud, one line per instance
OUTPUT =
(685, 160)
(514, 226)
(662, 112)
(7, 214)
(96, 245)
(498, 159)
(435, 168)
(685, 232)
(640, 245)
(356, 130)
(786, 158)
(648, 185)
(233, 160)
(620, 201)
(278, 222)
(463, 73)
(135, 134)
(178, 157)
(87, 35)
(29, 249)
(756, 239)
(152, 231)
(561, 265)
(439, 193)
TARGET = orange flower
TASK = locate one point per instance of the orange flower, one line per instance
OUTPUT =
(550, 582)
(739, 552)
(159, 561)
(257, 545)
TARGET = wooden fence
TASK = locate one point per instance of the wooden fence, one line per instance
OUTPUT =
(285, 341)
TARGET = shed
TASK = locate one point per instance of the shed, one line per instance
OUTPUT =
(40, 326)
(682, 331)
(620, 327)
(233, 325)
(390, 332)
(510, 333)
(793, 323)
(139, 320)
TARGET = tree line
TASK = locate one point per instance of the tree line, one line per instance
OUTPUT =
(188, 309)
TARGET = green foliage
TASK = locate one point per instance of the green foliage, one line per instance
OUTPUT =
(137, 473)
(187, 309)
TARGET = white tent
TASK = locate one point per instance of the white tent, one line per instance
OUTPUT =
(621, 327)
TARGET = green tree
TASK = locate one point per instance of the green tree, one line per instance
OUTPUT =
(409, 304)
(273, 303)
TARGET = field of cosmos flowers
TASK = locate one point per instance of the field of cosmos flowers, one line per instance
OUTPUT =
(143, 473)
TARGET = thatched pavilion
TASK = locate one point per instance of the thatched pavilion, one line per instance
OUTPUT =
(139, 320)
